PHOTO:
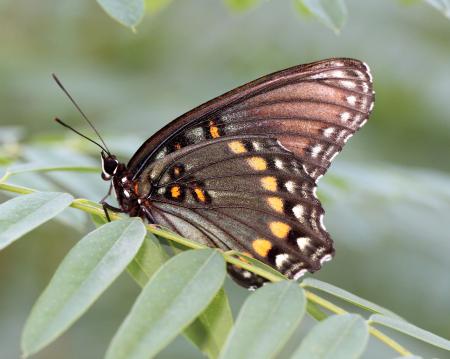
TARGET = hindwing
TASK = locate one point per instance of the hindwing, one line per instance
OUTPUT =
(244, 193)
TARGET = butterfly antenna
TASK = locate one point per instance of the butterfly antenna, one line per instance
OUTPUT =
(84, 136)
(104, 147)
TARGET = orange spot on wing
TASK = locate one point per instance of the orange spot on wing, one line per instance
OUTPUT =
(237, 147)
(175, 191)
(269, 183)
(276, 203)
(262, 247)
(200, 194)
(214, 132)
(213, 129)
(257, 163)
(279, 229)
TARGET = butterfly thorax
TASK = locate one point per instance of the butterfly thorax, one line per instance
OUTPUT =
(131, 194)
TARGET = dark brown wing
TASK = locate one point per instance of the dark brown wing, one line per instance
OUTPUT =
(311, 109)
(244, 193)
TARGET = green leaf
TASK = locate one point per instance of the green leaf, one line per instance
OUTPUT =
(22, 214)
(149, 259)
(155, 6)
(241, 5)
(441, 5)
(210, 330)
(332, 13)
(127, 12)
(338, 337)
(266, 321)
(84, 274)
(176, 294)
(411, 330)
(349, 297)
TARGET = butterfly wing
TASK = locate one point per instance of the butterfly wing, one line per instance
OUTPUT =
(240, 172)
(244, 193)
(311, 109)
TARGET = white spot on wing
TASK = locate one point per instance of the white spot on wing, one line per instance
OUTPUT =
(334, 156)
(290, 186)
(256, 146)
(346, 138)
(280, 259)
(298, 211)
(316, 150)
(348, 84)
(351, 100)
(318, 76)
(300, 274)
(326, 258)
(338, 74)
(303, 242)
(345, 116)
(279, 164)
(321, 222)
(126, 193)
(328, 131)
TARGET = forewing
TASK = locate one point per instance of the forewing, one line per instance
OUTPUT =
(312, 110)
(245, 193)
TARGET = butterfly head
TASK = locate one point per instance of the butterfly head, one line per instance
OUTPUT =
(110, 165)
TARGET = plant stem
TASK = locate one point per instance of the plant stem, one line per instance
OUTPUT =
(94, 208)
(389, 341)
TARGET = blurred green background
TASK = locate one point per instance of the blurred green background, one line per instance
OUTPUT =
(387, 196)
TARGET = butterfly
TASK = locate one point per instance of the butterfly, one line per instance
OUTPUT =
(240, 172)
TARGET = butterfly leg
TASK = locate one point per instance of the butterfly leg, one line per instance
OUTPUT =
(106, 206)
(107, 193)
(147, 215)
